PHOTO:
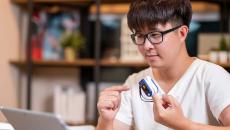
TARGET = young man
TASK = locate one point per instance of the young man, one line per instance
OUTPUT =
(195, 92)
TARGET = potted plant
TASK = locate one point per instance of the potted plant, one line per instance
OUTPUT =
(223, 54)
(214, 55)
(72, 43)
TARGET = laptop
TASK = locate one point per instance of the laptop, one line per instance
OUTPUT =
(22, 119)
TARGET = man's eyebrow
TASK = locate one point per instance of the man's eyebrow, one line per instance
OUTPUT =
(154, 29)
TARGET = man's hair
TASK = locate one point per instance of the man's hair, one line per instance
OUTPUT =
(149, 13)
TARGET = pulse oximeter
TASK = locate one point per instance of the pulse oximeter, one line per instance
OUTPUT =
(148, 87)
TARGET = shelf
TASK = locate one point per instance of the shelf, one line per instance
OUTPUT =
(118, 63)
(214, 1)
(115, 1)
(206, 57)
(225, 65)
(92, 63)
(65, 2)
(124, 8)
(81, 63)
(128, 1)
(111, 8)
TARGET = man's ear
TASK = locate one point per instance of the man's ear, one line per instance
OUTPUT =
(183, 32)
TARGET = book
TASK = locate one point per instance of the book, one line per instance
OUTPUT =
(69, 104)
(129, 51)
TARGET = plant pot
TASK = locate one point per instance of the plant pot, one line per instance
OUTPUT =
(213, 56)
(223, 56)
(70, 54)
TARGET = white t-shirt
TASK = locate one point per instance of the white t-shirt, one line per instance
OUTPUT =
(203, 92)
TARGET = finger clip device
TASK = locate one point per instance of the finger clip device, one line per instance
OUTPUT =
(147, 88)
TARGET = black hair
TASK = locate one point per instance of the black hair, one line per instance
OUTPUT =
(149, 13)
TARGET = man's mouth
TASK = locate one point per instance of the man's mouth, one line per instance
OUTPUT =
(152, 56)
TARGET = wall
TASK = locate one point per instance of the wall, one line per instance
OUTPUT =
(9, 42)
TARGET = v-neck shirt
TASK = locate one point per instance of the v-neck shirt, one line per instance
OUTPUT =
(202, 92)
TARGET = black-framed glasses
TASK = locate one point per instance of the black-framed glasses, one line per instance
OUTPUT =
(155, 37)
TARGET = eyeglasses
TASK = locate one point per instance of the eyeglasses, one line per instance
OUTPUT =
(155, 37)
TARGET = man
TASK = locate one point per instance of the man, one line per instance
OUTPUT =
(195, 92)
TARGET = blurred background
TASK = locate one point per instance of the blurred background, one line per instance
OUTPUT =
(56, 55)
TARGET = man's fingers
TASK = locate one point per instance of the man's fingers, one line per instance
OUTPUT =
(170, 100)
(111, 93)
(105, 105)
(113, 99)
(110, 97)
(157, 102)
(117, 88)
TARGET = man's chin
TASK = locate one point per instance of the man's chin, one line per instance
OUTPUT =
(154, 64)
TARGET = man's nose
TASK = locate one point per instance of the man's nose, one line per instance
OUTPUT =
(148, 44)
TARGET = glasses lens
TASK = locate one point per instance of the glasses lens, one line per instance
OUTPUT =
(155, 37)
(139, 38)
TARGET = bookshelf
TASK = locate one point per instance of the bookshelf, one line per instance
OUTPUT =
(96, 62)
(28, 65)
(59, 63)
(24, 2)
(81, 62)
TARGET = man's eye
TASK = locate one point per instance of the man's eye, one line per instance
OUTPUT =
(139, 36)
(155, 35)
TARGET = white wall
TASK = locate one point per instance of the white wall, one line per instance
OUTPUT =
(9, 42)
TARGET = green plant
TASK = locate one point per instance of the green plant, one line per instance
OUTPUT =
(73, 40)
(223, 44)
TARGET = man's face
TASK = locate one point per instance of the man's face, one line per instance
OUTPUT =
(165, 53)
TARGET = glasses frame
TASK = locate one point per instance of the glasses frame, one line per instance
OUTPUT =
(146, 36)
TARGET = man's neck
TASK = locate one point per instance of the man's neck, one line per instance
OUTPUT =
(167, 77)
(175, 70)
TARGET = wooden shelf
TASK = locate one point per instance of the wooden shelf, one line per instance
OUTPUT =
(80, 63)
(52, 1)
(115, 1)
(118, 63)
(206, 57)
(92, 63)
(61, 2)
(128, 1)
(111, 8)
(213, 1)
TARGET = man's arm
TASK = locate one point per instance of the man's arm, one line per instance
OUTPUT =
(167, 111)
(115, 125)
(224, 118)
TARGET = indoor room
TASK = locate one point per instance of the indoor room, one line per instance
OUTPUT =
(61, 57)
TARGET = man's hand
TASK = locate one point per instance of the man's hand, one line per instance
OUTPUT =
(168, 112)
(109, 102)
